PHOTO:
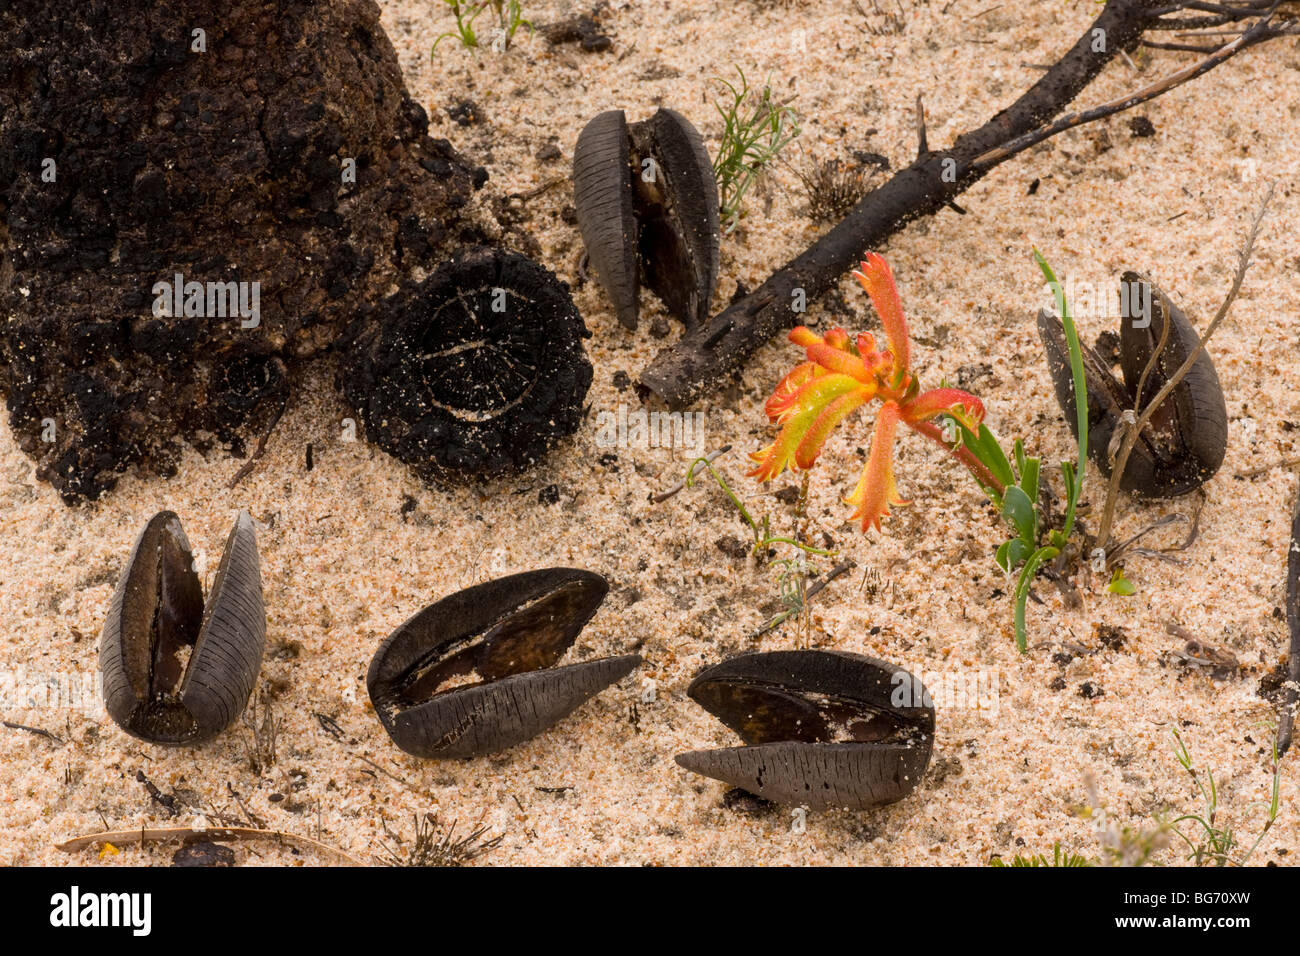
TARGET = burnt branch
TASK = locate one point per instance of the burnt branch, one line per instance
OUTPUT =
(706, 356)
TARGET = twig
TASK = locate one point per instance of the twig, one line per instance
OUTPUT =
(329, 725)
(1135, 429)
(539, 190)
(1256, 34)
(386, 773)
(33, 730)
(1265, 469)
(1116, 553)
(166, 801)
(253, 819)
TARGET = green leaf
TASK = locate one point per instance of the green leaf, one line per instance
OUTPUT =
(1011, 553)
(1079, 386)
(1029, 477)
(1036, 560)
(1019, 510)
(1120, 584)
(1019, 449)
(1071, 487)
(986, 448)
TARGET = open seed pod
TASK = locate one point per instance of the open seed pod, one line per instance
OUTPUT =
(647, 206)
(822, 728)
(508, 634)
(478, 370)
(1183, 444)
(157, 615)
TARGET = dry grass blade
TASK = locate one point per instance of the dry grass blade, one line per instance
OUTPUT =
(145, 835)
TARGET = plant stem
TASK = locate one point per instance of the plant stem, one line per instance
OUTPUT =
(962, 454)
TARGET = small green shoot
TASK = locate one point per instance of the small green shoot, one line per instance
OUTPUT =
(1120, 585)
(793, 580)
(1215, 844)
(1019, 475)
(465, 14)
(509, 18)
(755, 128)
(1060, 857)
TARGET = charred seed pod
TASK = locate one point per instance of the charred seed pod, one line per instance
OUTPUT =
(1183, 444)
(822, 728)
(478, 370)
(157, 614)
(647, 206)
(509, 634)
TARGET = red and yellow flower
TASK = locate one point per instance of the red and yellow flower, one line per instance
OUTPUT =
(841, 375)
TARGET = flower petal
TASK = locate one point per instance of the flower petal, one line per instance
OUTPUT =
(837, 338)
(806, 405)
(963, 406)
(876, 491)
(878, 279)
(838, 361)
(781, 402)
(806, 454)
(803, 336)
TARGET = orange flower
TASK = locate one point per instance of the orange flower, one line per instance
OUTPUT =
(841, 375)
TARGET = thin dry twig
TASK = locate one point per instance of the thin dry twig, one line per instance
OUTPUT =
(32, 730)
(276, 413)
(1265, 469)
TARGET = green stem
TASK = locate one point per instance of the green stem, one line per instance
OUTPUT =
(963, 454)
(761, 538)
(1035, 561)
(807, 548)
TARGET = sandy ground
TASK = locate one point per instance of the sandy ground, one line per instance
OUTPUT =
(344, 562)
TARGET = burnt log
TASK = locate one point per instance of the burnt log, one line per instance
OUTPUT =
(196, 199)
